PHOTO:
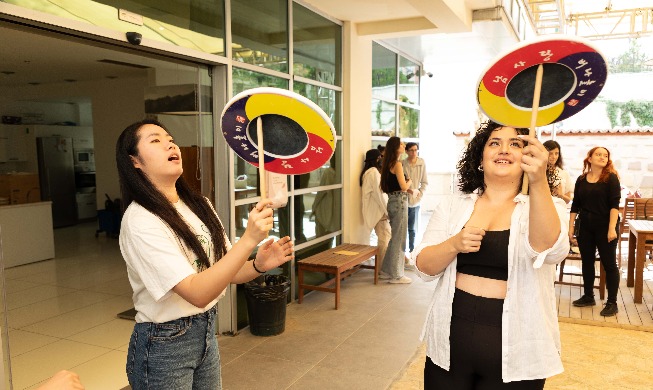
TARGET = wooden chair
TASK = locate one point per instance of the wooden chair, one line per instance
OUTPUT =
(600, 276)
(627, 213)
(644, 210)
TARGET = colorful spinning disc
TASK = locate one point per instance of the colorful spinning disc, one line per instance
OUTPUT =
(298, 136)
(574, 74)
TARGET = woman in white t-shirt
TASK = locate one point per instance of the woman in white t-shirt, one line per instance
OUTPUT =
(562, 186)
(179, 262)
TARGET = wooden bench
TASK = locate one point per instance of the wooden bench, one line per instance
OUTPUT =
(341, 262)
(600, 276)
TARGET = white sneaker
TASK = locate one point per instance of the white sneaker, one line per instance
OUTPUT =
(384, 276)
(401, 280)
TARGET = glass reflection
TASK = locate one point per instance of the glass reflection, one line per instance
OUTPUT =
(409, 74)
(408, 122)
(327, 99)
(384, 72)
(316, 47)
(197, 25)
(383, 117)
(264, 43)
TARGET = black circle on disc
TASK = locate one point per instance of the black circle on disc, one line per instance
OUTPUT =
(282, 136)
(557, 81)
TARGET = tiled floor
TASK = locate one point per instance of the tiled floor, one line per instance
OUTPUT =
(62, 314)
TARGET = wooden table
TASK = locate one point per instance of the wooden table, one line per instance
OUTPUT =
(341, 262)
(640, 232)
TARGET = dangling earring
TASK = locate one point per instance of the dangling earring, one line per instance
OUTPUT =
(480, 167)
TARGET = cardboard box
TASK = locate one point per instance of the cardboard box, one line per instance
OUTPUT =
(20, 187)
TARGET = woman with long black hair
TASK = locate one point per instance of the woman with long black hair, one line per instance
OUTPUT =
(397, 186)
(179, 262)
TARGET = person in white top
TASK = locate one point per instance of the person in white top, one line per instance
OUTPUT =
(374, 204)
(492, 321)
(563, 187)
(415, 168)
(179, 262)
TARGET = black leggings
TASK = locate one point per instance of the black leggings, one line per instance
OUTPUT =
(593, 235)
(475, 349)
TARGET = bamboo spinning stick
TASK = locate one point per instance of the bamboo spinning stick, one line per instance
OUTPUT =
(261, 157)
(536, 107)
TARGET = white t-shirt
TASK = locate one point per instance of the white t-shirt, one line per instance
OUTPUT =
(157, 260)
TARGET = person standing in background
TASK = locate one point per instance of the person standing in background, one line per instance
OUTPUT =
(596, 202)
(415, 168)
(374, 203)
(397, 186)
(563, 187)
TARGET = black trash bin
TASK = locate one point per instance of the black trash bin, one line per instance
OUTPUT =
(266, 298)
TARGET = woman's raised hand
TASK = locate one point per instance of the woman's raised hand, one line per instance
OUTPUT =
(534, 159)
(272, 254)
(468, 239)
(260, 221)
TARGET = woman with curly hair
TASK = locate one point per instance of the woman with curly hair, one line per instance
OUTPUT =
(492, 321)
(596, 202)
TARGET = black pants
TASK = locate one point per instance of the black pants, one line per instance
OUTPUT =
(593, 235)
(475, 349)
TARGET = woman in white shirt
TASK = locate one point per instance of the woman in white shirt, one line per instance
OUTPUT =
(179, 262)
(563, 187)
(374, 204)
(492, 322)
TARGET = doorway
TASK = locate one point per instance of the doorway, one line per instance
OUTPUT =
(67, 87)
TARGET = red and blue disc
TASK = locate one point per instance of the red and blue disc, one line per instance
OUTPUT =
(298, 136)
(574, 73)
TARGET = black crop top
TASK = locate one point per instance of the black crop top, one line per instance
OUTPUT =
(491, 261)
(393, 183)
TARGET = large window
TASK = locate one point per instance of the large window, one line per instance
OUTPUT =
(317, 44)
(259, 31)
(395, 95)
(196, 25)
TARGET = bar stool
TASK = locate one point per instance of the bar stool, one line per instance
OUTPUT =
(576, 256)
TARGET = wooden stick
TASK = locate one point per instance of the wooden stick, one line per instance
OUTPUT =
(536, 107)
(261, 158)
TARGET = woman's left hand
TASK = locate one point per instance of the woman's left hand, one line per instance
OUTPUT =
(612, 234)
(534, 159)
(274, 253)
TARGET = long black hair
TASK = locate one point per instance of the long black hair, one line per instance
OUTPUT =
(470, 176)
(372, 160)
(390, 158)
(136, 187)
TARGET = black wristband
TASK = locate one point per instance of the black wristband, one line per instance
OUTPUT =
(256, 269)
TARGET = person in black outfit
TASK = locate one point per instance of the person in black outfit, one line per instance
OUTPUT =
(596, 201)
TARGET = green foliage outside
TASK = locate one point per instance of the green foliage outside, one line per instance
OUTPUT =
(631, 61)
(620, 113)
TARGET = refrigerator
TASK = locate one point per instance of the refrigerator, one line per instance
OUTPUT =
(57, 178)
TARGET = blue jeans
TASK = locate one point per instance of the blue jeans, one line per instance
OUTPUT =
(178, 354)
(413, 215)
(393, 261)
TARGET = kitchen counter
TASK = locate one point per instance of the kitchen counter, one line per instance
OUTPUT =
(26, 233)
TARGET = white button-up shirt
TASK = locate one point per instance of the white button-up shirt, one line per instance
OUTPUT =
(530, 336)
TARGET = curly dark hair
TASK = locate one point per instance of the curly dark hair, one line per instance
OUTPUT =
(470, 177)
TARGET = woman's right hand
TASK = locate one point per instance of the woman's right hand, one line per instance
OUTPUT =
(572, 239)
(260, 221)
(468, 239)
